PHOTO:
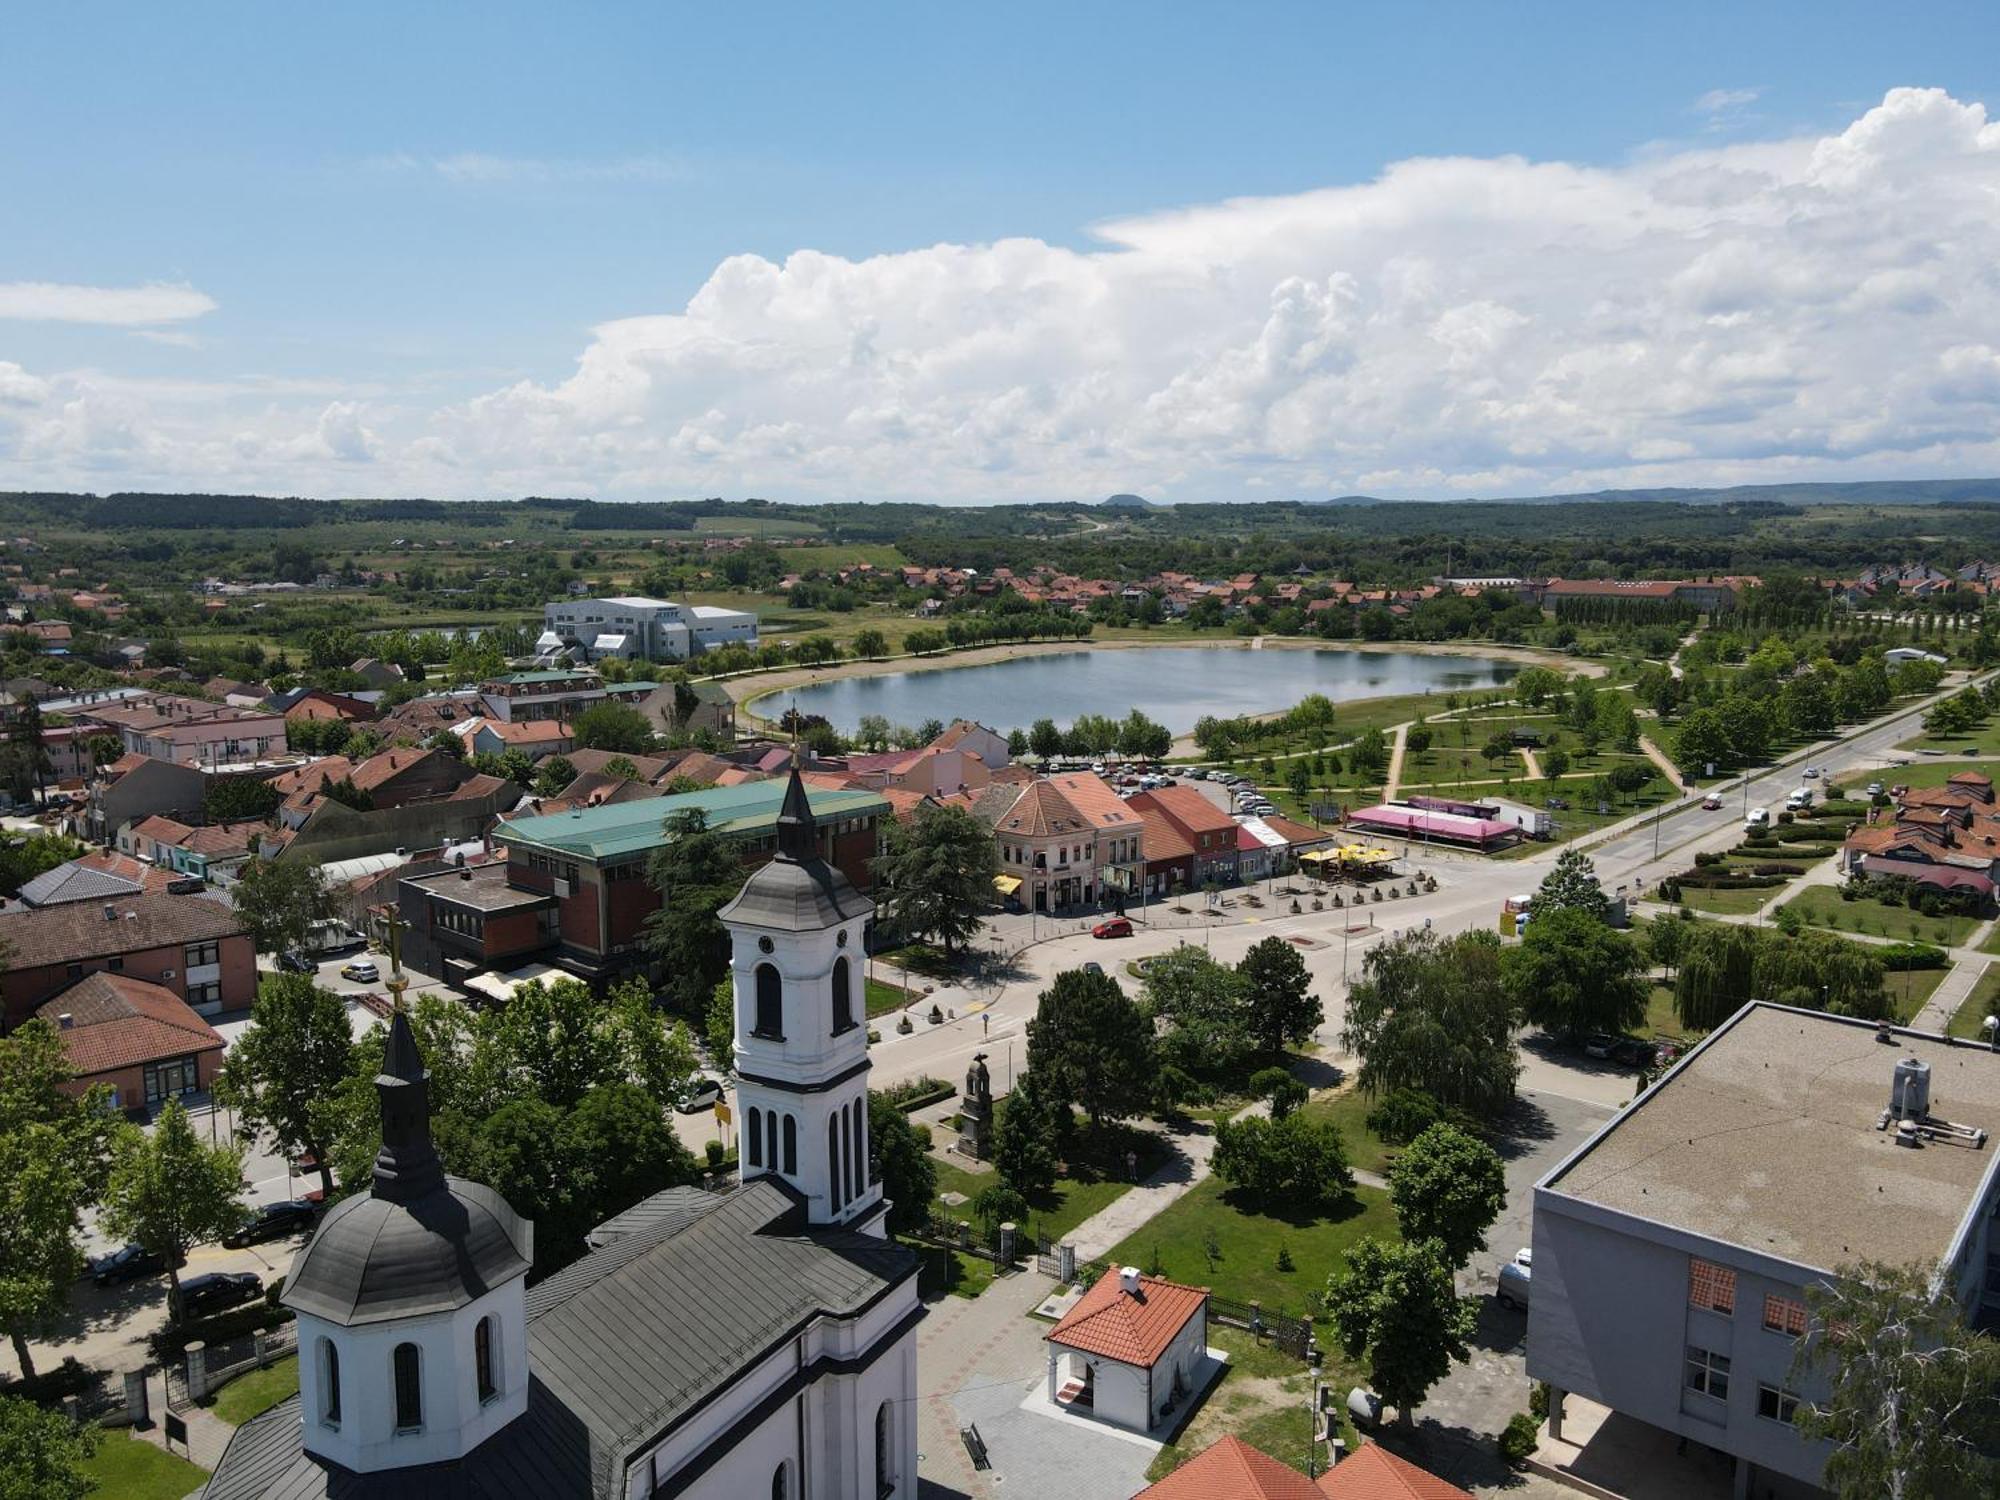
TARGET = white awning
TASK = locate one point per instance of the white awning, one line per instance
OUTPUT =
(608, 643)
(501, 987)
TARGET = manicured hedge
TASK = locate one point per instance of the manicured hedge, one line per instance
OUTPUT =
(172, 1341)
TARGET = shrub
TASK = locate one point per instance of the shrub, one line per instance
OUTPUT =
(715, 1154)
(1285, 1262)
(1897, 957)
(1517, 1441)
(1538, 1400)
(1708, 857)
(1403, 1115)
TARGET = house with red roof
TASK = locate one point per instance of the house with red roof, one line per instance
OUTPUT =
(1133, 1351)
(1230, 1469)
(139, 1038)
(1208, 830)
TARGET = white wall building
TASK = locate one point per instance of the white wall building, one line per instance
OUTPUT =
(760, 1342)
(1673, 1251)
(641, 628)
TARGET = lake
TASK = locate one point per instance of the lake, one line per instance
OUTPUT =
(1175, 685)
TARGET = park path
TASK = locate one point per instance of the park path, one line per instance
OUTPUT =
(1661, 759)
(1532, 762)
(1395, 776)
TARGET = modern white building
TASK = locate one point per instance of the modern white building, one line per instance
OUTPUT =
(1673, 1250)
(640, 628)
(711, 1346)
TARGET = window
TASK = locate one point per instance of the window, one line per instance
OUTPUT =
(885, 1482)
(770, 1003)
(482, 1361)
(860, 1178)
(780, 1487)
(846, 1151)
(753, 1138)
(1775, 1405)
(329, 1383)
(117, 964)
(171, 1080)
(1711, 1286)
(409, 1390)
(197, 954)
(771, 1139)
(1784, 1315)
(791, 1146)
(1708, 1373)
(833, 1161)
(843, 996)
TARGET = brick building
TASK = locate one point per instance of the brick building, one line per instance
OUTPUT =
(140, 1039)
(191, 945)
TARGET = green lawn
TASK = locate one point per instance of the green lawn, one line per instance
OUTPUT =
(259, 1391)
(1661, 1017)
(1977, 1006)
(1910, 988)
(129, 1468)
(1274, 1421)
(1985, 740)
(1925, 772)
(1821, 906)
(1366, 1151)
(1054, 1213)
(1727, 903)
(954, 1271)
(1247, 1244)
(884, 998)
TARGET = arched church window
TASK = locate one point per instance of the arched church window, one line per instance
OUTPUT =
(860, 1179)
(885, 1479)
(791, 1146)
(833, 1160)
(753, 1137)
(329, 1383)
(770, 1003)
(409, 1388)
(843, 996)
(780, 1484)
(482, 1360)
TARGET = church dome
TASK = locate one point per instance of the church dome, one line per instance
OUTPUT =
(375, 1260)
(418, 1242)
(797, 891)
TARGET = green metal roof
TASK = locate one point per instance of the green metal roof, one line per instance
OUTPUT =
(554, 676)
(618, 828)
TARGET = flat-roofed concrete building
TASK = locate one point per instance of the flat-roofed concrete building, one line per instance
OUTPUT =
(1674, 1248)
(637, 627)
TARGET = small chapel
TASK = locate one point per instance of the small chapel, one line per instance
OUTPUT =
(758, 1342)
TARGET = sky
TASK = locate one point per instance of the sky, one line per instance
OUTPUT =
(976, 254)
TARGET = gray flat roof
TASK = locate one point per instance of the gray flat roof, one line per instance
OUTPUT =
(1764, 1136)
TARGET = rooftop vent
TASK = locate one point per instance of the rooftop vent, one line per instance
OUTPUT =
(110, 913)
(1910, 1089)
(65, 1021)
(1128, 1280)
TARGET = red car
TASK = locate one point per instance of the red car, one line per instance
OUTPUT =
(1116, 927)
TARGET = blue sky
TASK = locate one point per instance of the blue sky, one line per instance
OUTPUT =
(390, 217)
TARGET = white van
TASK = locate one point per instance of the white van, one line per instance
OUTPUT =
(1757, 817)
(1801, 798)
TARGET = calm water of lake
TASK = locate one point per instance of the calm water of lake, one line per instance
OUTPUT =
(1174, 685)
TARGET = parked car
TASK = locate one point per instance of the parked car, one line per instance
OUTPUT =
(361, 971)
(1632, 1053)
(218, 1291)
(1115, 927)
(706, 1094)
(1757, 817)
(1711, 803)
(1874, 788)
(1092, 966)
(1514, 1280)
(296, 962)
(1556, 804)
(273, 1221)
(1599, 1045)
(128, 1263)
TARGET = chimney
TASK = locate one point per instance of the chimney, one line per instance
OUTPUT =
(1128, 1280)
(65, 1021)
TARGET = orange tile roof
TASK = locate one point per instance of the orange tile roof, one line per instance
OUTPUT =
(1190, 811)
(1131, 1328)
(119, 1022)
(1041, 811)
(1091, 795)
(1230, 1469)
(1374, 1473)
(1163, 841)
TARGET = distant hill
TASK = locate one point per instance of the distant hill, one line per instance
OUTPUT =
(1127, 502)
(1866, 492)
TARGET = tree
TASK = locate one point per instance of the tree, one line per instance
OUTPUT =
(897, 1159)
(279, 902)
(1702, 742)
(1139, 736)
(236, 798)
(1913, 1396)
(1205, 1004)
(935, 875)
(611, 725)
(1431, 1013)
(1555, 764)
(870, 644)
(1091, 1046)
(1299, 1162)
(553, 1040)
(696, 871)
(632, 1151)
(1718, 963)
(34, 855)
(719, 1024)
(275, 1076)
(1448, 1186)
(528, 1156)
(1395, 1306)
(555, 773)
(1026, 1136)
(55, 1152)
(1045, 740)
(24, 760)
(656, 1053)
(42, 1453)
(1666, 940)
(1573, 975)
(170, 1191)
(1285, 1092)
(1281, 1008)
(1417, 739)
(1571, 885)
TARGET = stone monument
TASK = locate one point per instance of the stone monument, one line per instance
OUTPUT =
(975, 1137)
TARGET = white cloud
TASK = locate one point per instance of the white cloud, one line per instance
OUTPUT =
(1725, 101)
(485, 168)
(1762, 311)
(48, 301)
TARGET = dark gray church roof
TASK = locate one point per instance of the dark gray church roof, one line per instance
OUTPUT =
(374, 1259)
(688, 1290)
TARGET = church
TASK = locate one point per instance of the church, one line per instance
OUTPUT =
(755, 1342)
